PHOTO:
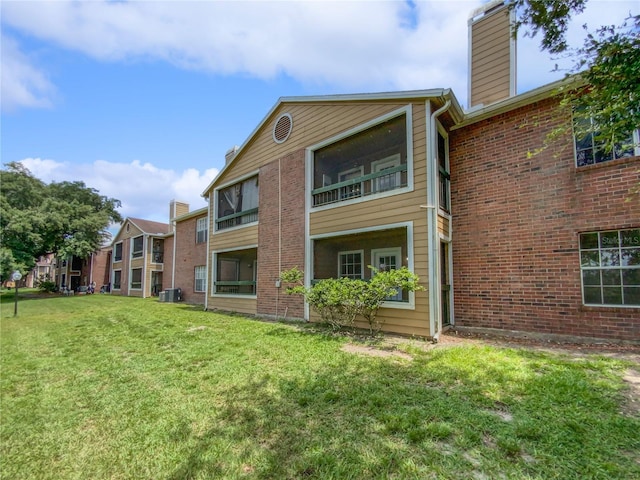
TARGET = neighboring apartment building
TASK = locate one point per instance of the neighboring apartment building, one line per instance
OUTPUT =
(500, 239)
(141, 259)
(150, 257)
(44, 270)
(68, 271)
(191, 232)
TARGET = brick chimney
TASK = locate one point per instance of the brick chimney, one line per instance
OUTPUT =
(492, 54)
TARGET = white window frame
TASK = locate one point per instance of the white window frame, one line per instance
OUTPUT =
(216, 192)
(114, 260)
(201, 228)
(635, 135)
(388, 251)
(214, 273)
(309, 274)
(133, 252)
(350, 252)
(619, 249)
(131, 278)
(202, 271)
(113, 280)
(442, 132)
(309, 160)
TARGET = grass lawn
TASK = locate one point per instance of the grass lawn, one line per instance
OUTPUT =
(101, 387)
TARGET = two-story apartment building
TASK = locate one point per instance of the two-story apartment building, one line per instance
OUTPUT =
(500, 238)
(149, 257)
(332, 185)
(141, 250)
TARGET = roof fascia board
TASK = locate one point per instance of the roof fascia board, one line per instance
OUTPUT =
(546, 91)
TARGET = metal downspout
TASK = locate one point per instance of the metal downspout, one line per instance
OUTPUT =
(435, 316)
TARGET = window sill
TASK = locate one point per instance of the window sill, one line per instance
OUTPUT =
(235, 295)
(607, 164)
(593, 307)
(399, 305)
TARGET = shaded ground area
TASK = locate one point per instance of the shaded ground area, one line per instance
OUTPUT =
(388, 347)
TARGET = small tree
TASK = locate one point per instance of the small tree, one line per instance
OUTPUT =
(340, 301)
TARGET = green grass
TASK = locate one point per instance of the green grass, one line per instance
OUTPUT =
(121, 388)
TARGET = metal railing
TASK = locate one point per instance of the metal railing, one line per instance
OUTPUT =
(238, 287)
(386, 180)
(235, 219)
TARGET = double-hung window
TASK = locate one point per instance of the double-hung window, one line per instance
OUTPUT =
(200, 278)
(117, 278)
(117, 252)
(201, 230)
(590, 150)
(610, 267)
(237, 204)
(443, 171)
(138, 247)
(136, 278)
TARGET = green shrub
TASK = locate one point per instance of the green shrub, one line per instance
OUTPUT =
(340, 301)
(47, 286)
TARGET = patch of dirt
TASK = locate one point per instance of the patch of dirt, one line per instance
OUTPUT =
(375, 352)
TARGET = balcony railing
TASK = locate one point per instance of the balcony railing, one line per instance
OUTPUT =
(239, 287)
(235, 219)
(386, 180)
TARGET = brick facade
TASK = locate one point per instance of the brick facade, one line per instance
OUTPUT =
(189, 254)
(281, 233)
(516, 220)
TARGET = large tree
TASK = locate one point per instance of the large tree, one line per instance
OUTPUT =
(607, 101)
(66, 218)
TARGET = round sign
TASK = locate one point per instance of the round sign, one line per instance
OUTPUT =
(16, 276)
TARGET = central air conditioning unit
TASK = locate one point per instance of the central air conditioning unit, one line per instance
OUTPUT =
(173, 295)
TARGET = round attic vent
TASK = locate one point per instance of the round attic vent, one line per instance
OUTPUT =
(282, 128)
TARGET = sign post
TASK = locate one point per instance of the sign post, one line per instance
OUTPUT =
(16, 277)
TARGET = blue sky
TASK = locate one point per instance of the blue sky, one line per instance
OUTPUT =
(141, 100)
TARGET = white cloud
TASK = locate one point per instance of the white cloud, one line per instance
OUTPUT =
(348, 46)
(352, 46)
(23, 84)
(144, 189)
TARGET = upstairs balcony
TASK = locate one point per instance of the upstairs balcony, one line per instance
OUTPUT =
(367, 162)
(360, 186)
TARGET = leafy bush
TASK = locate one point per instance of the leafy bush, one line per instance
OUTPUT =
(47, 286)
(340, 301)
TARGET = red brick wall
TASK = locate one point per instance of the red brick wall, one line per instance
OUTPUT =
(285, 225)
(167, 264)
(516, 222)
(189, 254)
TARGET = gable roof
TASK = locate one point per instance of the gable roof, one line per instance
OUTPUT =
(149, 226)
(442, 94)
